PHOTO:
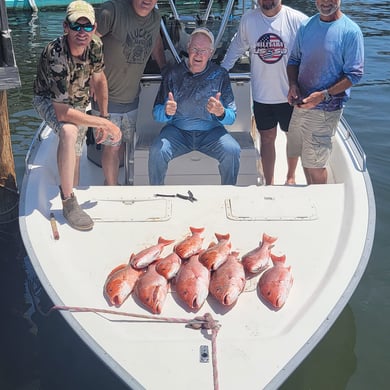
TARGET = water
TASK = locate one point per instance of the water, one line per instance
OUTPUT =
(43, 353)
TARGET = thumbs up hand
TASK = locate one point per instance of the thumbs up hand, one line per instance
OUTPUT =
(170, 105)
(214, 105)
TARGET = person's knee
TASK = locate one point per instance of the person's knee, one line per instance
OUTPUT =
(160, 147)
(267, 136)
(237, 149)
(233, 148)
(111, 151)
(155, 148)
(69, 132)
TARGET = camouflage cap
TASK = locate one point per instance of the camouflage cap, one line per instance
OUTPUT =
(205, 31)
(80, 9)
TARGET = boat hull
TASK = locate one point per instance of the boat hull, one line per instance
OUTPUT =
(326, 232)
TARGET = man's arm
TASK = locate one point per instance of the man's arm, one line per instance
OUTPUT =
(317, 97)
(67, 114)
(238, 45)
(158, 52)
(100, 87)
(228, 116)
(294, 93)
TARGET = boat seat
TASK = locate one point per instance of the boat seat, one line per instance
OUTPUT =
(196, 167)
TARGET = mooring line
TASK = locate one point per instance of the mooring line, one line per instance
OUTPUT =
(200, 322)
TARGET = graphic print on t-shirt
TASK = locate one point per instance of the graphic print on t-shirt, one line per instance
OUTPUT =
(137, 46)
(270, 48)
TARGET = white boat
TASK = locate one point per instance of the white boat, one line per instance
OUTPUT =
(326, 232)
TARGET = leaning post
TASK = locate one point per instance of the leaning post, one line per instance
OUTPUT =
(9, 78)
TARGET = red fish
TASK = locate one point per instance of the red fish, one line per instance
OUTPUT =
(216, 254)
(152, 289)
(192, 283)
(275, 283)
(148, 255)
(191, 245)
(258, 259)
(168, 266)
(228, 281)
(120, 283)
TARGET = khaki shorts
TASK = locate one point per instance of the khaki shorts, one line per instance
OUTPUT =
(45, 109)
(125, 121)
(310, 136)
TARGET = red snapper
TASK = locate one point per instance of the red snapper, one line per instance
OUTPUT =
(228, 281)
(275, 283)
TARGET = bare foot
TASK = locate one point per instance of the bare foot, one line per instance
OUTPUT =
(290, 182)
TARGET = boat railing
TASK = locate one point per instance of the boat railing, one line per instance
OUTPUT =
(353, 145)
(42, 133)
(200, 21)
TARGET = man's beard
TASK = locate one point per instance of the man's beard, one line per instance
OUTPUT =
(328, 11)
(272, 5)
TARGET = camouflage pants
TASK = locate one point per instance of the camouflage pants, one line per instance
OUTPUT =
(126, 122)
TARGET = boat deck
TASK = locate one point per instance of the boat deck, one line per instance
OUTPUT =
(129, 219)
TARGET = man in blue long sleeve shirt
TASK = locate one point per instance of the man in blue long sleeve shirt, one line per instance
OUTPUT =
(327, 59)
(196, 100)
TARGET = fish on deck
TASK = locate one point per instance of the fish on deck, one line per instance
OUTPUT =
(151, 289)
(259, 259)
(192, 283)
(191, 245)
(145, 257)
(275, 283)
(168, 266)
(228, 281)
(217, 253)
(120, 283)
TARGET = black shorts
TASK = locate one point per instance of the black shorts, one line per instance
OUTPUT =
(267, 116)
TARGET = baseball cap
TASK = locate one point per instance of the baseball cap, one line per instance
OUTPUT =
(205, 31)
(80, 9)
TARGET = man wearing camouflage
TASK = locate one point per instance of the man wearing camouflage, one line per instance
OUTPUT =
(61, 95)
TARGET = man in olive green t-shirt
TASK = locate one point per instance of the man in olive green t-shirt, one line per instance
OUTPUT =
(130, 31)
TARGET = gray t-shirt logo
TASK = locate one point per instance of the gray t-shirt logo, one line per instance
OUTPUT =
(137, 45)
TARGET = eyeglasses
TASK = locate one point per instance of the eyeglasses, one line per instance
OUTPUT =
(201, 52)
(88, 27)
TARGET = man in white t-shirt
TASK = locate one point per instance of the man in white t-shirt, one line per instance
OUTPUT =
(268, 32)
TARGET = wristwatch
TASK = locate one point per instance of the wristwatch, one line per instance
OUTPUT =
(108, 116)
(326, 95)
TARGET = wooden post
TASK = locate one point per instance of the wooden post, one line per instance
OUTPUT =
(8, 188)
(9, 78)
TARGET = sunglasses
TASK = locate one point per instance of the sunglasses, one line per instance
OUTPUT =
(88, 27)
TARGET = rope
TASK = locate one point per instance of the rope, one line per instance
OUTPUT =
(204, 322)
(214, 326)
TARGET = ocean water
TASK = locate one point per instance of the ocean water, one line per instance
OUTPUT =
(38, 352)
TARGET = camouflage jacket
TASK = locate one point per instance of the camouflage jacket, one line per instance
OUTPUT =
(64, 78)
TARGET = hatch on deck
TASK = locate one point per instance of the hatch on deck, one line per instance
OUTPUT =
(130, 210)
(275, 207)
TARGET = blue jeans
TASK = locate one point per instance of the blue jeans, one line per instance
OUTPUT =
(173, 142)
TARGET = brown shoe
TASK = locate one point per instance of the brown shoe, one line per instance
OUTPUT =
(77, 218)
